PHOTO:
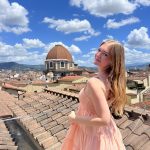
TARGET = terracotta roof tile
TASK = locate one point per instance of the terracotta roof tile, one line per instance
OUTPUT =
(62, 119)
(58, 115)
(143, 128)
(38, 131)
(42, 136)
(46, 121)
(49, 142)
(52, 121)
(147, 132)
(50, 125)
(56, 129)
(129, 147)
(5, 100)
(140, 141)
(65, 124)
(137, 123)
(70, 78)
(120, 121)
(130, 139)
(6, 141)
(56, 146)
(51, 113)
(39, 119)
(125, 132)
(145, 104)
(61, 135)
(66, 111)
(8, 147)
(146, 146)
(9, 86)
(125, 124)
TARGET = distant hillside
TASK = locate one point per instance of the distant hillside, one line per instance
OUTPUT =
(16, 66)
(138, 66)
(90, 68)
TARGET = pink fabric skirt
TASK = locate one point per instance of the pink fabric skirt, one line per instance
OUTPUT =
(81, 137)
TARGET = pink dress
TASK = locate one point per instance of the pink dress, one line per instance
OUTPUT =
(82, 137)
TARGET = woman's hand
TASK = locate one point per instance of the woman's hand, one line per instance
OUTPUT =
(72, 117)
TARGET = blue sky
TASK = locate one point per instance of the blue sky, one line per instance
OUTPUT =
(30, 28)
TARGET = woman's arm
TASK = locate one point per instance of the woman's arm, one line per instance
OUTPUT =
(89, 121)
(95, 89)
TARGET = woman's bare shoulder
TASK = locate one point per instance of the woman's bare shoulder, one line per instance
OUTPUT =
(95, 83)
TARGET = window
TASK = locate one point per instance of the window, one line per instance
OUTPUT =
(71, 65)
(51, 64)
(62, 64)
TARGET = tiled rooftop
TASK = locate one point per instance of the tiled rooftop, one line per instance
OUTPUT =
(143, 105)
(9, 86)
(48, 122)
(75, 87)
(17, 83)
(70, 78)
(45, 118)
(5, 99)
(136, 78)
(135, 128)
(6, 141)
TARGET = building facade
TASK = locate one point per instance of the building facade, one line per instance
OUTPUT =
(59, 61)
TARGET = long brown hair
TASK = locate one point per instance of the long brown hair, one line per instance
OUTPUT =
(116, 77)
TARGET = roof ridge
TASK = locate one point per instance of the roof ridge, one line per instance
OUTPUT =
(137, 112)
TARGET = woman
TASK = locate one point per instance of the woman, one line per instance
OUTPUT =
(93, 127)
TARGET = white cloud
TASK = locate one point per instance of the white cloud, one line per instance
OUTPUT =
(13, 17)
(18, 53)
(82, 38)
(132, 56)
(80, 62)
(88, 58)
(111, 23)
(143, 2)
(72, 26)
(32, 43)
(139, 38)
(136, 57)
(103, 8)
(73, 48)
(86, 37)
(5, 50)
(110, 37)
(51, 45)
(21, 52)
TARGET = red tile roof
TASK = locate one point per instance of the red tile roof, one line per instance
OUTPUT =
(48, 120)
(5, 99)
(9, 86)
(76, 87)
(6, 140)
(145, 104)
(59, 52)
(70, 78)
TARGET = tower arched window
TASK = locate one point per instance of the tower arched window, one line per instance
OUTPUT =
(62, 64)
(51, 64)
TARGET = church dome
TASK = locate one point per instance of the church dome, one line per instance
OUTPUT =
(59, 52)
